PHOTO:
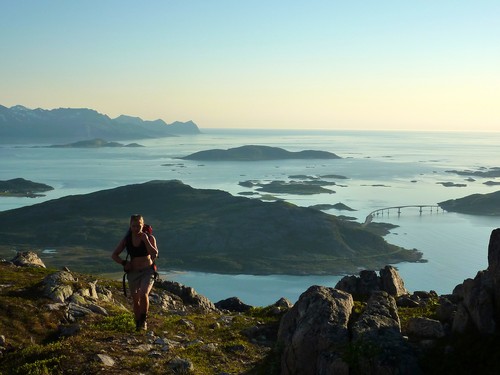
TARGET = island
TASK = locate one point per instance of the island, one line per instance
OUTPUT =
(307, 187)
(19, 187)
(475, 204)
(338, 206)
(257, 153)
(202, 230)
(483, 172)
(94, 143)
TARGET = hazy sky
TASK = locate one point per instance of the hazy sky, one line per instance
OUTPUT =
(385, 64)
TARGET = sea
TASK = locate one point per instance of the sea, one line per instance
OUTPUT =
(382, 169)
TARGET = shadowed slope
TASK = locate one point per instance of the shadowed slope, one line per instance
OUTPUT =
(198, 229)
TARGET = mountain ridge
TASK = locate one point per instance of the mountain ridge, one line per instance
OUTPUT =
(20, 124)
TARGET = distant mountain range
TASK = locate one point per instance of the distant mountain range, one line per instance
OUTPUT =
(19, 124)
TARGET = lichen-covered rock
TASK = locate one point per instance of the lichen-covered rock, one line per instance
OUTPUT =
(59, 286)
(367, 282)
(28, 259)
(377, 335)
(188, 295)
(312, 328)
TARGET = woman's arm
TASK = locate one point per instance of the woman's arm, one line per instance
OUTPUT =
(118, 250)
(150, 242)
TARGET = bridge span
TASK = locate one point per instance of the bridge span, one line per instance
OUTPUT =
(421, 208)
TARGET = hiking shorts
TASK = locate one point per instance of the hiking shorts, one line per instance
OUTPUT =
(140, 280)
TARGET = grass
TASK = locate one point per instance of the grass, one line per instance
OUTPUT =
(212, 342)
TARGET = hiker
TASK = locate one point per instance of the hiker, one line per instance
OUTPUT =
(140, 269)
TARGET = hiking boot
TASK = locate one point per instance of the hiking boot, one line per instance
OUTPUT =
(141, 325)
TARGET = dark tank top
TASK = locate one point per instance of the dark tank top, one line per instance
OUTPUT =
(135, 251)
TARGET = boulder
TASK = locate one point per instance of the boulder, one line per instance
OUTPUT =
(477, 309)
(367, 282)
(283, 303)
(188, 295)
(311, 330)
(377, 337)
(59, 286)
(28, 259)
(392, 282)
(424, 328)
(180, 365)
(446, 309)
(233, 304)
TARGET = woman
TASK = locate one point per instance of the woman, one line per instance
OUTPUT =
(140, 273)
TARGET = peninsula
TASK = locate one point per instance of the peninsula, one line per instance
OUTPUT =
(19, 187)
(201, 230)
(475, 204)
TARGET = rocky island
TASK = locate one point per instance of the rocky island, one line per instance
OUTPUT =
(258, 153)
(95, 143)
(205, 230)
(19, 187)
(482, 172)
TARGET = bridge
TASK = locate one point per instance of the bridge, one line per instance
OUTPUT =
(381, 211)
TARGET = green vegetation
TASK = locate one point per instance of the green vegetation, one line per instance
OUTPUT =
(255, 153)
(212, 342)
(198, 230)
(19, 187)
(475, 204)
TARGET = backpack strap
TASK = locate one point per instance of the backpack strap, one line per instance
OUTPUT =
(125, 272)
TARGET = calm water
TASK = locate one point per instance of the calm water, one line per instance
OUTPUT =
(384, 169)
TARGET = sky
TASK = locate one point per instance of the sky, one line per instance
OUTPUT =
(289, 64)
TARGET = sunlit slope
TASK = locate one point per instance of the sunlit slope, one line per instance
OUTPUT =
(475, 204)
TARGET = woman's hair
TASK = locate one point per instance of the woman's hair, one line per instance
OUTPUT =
(137, 217)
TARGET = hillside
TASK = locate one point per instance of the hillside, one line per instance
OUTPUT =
(63, 322)
(19, 124)
(257, 153)
(92, 330)
(197, 229)
(475, 204)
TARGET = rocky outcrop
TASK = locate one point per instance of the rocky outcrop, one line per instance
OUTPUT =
(28, 259)
(187, 295)
(377, 337)
(479, 306)
(368, 282)
(309, 331)
(233, 304)
(321, 335)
